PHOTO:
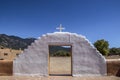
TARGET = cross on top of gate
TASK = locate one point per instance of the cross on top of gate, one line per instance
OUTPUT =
(60, 28)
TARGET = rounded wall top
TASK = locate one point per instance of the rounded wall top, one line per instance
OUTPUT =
(63, 33)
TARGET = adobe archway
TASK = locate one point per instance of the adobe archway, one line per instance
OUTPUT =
(86, 60)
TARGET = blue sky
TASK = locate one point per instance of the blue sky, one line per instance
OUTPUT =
(95, 19)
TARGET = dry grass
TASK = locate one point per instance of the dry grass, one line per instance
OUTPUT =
(10, 53)
(113, 57)
(60, 65)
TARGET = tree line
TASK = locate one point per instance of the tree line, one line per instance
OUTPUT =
(59, 51)
(103, 47)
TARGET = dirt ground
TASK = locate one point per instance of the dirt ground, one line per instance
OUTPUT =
(58, 78)
(60, 65)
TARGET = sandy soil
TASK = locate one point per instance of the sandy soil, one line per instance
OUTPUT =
(60, 65)
(58, 78)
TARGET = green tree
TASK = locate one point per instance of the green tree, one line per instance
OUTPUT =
(61, 53)
(102, 46)
(114, 51)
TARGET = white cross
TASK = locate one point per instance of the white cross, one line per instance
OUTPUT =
(60, 28)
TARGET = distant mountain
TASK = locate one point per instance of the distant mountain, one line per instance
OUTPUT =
(14, 42)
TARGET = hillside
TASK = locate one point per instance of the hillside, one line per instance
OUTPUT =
(14, 42)
(59, 51)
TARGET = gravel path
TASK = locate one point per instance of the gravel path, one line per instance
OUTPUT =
(58, 78)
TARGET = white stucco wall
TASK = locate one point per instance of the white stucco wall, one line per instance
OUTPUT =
(86, 60)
